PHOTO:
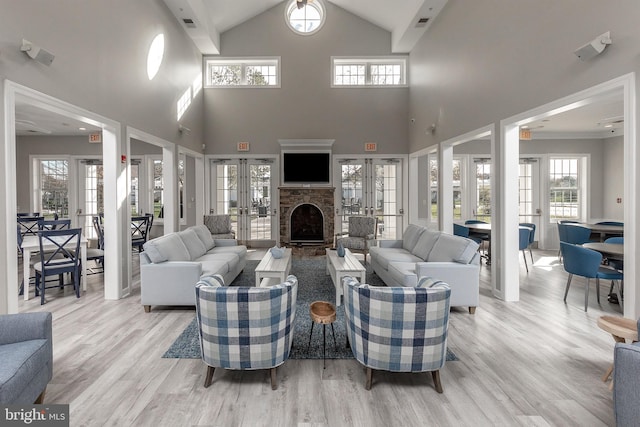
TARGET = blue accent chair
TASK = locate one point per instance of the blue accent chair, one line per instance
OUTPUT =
(245, 327)
(586, 263)
(532, 236)
(26, 357)
(524, 237)
(398, 329)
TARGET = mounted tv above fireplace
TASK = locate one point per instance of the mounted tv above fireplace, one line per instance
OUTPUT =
(306, 167)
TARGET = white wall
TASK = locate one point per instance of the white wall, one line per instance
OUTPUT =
(100, 60)
(306, 106)
(613, 182)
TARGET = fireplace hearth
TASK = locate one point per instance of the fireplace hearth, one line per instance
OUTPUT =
(306, 219)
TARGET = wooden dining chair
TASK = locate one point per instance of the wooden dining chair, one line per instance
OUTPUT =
(59, 254)
(139, 231)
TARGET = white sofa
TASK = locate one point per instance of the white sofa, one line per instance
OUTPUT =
(422, 252)
(171, 265)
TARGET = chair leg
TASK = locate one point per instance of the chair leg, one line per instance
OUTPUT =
(566, 291)
(310, 334)
(436, 380)
(525, 261)
(335, 345)
(531, 253)
(209, 377)
(598, 290)
(586, 295)
(367, 384)
(274, 382)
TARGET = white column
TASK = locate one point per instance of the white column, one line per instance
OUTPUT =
(445, 188)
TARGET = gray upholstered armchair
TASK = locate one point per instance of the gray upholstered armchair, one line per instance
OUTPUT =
(626, 387)
(398, 329)
(245, 327)
(362, 230)
(220, 226)
(26, 357)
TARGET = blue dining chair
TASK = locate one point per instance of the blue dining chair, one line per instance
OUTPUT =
(577, 235)
(581, 261)
(476, 236)
(524, 234)
(532, 236)
(618, 264)
(62, 257)
(460, 230)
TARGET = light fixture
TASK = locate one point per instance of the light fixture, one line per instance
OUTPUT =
(183, 129)
(594, 47)
(37, 53)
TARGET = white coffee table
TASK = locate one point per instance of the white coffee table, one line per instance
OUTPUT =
(339, 267)
(272, 271)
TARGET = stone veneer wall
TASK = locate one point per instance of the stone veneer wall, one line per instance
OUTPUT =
(322, 197)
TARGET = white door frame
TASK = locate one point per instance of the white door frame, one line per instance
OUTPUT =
(111, 146)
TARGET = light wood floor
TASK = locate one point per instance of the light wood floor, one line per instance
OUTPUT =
(534, 362)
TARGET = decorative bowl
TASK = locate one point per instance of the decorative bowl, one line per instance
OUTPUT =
(277, 252)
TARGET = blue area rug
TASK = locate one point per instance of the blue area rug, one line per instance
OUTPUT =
(313, 285)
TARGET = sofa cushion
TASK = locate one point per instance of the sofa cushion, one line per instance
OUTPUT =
(193, 243)
(411, 236)
(212, 267)
(204, 235)
(425, 243)
(230, 258)
(21, 363)
(166, 248)
(453, 248)
(403, 273)
(239, 250)
(383, 256)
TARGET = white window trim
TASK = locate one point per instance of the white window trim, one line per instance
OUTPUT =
(323, 16)
(584, 184)
(244, 62)
(148, 161)
(401, 60)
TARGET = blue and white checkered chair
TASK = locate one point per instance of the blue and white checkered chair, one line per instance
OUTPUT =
(245, 327)
(398, 329)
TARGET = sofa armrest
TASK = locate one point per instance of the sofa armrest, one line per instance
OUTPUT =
(226, 242)
(389, 243)
(440, 270)
(626, 389)
(170, 271)
(24, 327)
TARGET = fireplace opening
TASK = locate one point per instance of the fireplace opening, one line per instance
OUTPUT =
(307, 224)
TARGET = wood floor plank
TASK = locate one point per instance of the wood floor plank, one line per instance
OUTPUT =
(536, 362)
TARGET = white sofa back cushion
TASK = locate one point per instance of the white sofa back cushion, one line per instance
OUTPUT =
(411, 236)
(193, 243)
(453, 248)
(205, 236)
(425, 244)
(166, 248)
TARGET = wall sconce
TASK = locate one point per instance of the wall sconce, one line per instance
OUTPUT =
(594, 47)
(37, 53)
(184, 130)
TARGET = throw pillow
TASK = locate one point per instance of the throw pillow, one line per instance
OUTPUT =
(214, 281)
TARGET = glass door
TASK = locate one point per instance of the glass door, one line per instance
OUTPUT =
(90, 195)
(244, 189)
(371, 187)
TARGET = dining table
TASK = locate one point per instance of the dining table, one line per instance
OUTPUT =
(31, 245)
(609, 250)
(604, 230)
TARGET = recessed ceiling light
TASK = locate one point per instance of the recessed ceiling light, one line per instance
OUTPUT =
(82, 128)
(524, 127)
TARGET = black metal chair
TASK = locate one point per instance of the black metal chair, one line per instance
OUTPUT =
(139, 231)
(59, 254)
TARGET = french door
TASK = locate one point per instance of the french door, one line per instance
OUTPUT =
(371, 187)
(245, 190)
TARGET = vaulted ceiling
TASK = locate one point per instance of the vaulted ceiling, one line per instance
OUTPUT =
(207, 19)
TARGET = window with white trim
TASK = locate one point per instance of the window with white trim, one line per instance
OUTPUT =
(377, 72)
(483, 189)
(242, 72)
(54, 187)
(564, 188)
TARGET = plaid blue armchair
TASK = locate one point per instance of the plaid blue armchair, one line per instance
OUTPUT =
(245, 327)
(398, 329)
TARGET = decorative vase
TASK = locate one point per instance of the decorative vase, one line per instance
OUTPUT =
(340, 249)
(277, 252)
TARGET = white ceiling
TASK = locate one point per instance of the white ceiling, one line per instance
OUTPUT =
(213, 17)
(34, 121)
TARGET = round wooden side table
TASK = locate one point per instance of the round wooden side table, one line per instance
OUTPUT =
(324, 313)
(622, 329)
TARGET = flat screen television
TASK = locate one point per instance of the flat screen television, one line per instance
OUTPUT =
(306, 168)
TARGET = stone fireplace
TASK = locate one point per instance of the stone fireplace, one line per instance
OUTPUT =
(306, 219)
